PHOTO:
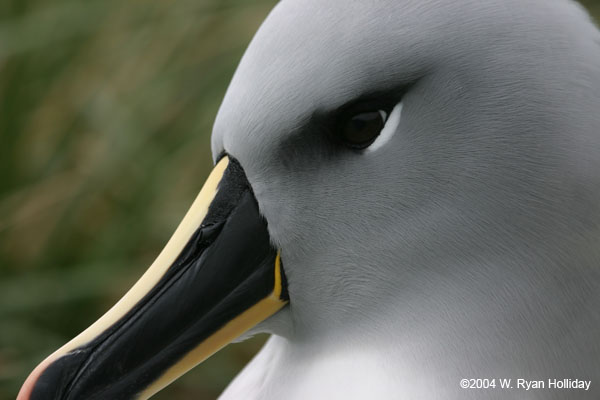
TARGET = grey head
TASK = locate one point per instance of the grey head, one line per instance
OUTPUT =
(480, 213)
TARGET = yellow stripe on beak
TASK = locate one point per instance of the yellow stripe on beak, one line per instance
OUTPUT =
(259, 312)
(217, 277)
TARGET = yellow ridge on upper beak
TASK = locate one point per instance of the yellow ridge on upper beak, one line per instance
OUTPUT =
(218, 223)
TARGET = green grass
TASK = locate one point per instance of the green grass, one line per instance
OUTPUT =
(106, 108)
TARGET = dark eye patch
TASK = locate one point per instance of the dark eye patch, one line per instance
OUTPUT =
(352, 125)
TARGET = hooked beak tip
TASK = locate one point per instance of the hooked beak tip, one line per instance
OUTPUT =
(28, 385)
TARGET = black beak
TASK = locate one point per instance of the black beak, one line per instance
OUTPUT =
(217, 277)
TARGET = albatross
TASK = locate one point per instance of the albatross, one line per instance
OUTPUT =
(406, 195)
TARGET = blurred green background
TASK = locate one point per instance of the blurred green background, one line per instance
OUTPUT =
(106, 108)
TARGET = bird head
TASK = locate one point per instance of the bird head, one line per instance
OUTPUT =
(363, 150)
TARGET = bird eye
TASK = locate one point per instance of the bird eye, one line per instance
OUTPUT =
(360, 130)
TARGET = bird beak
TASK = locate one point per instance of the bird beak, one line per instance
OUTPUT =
(217, 277)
